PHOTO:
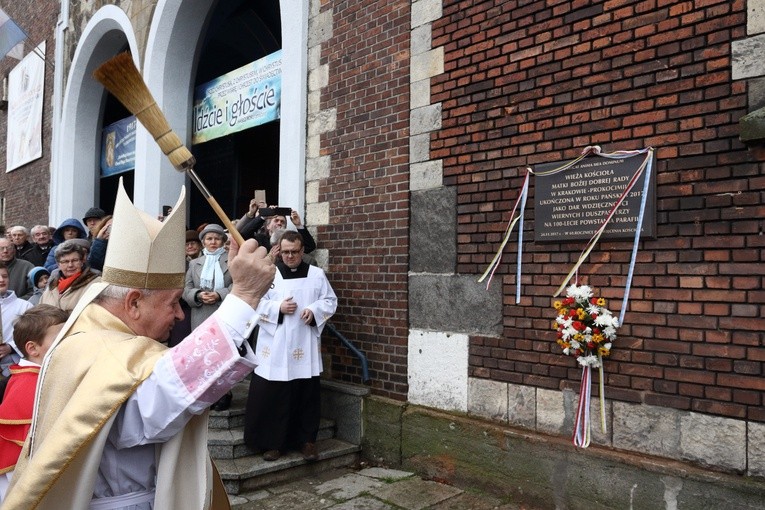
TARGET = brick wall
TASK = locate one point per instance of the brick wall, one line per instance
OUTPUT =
(536, 81)
(368, 187)
(26, 189)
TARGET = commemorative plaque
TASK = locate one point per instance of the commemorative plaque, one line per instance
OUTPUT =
(573, 204)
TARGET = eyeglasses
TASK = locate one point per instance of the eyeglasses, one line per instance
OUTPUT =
(64, 262)
(7, 248)
(290, 253)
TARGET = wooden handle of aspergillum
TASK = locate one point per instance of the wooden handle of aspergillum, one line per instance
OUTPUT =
(121, 77)
(214, 204)
(233, 232)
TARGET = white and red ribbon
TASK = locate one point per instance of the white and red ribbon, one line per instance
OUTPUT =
(581, 435)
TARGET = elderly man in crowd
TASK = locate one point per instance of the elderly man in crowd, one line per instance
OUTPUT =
(120, 419)
(41, 245)
(73, 278)
(17, 269)
(267, 228)
(20, 239)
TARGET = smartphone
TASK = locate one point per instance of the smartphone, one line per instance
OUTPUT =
(260, 196)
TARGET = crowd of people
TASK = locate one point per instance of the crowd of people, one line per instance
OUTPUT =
(48, 273)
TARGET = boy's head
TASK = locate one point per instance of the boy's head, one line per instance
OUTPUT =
(4, 281)
(35, 331)
(38, 277)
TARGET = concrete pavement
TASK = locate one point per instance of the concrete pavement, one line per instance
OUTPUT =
(369, 488)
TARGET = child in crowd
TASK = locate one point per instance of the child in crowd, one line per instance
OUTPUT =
(11, 307)
(34, 333)
(38, 279)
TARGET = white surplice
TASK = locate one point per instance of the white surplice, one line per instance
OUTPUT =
(292, 350)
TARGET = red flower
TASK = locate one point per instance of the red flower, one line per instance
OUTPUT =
(579, 326)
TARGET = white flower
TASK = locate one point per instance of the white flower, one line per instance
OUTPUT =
(606, 320)
(579, 293)
(588, 361)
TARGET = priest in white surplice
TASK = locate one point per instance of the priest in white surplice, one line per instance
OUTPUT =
(120, 420)
(284, 403)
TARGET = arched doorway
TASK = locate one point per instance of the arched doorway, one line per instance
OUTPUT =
(234, 165)
(114, 111)
(75, 179)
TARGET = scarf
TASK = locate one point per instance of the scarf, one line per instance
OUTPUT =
(211, 276)
(65, 283)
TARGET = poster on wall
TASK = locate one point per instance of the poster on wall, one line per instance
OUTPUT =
(244, 98)
(26, 86)
(118, 147)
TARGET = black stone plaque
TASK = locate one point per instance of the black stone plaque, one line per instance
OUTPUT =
(573, 204)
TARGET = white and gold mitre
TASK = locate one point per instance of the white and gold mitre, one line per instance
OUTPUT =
(143, 252)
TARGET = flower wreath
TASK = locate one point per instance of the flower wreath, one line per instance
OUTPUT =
(586, 328)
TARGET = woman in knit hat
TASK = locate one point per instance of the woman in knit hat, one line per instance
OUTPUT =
(208, 282)
(193, 246)
(207, 279)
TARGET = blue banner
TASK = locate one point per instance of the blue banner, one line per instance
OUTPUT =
(246, 97)
(118, 147)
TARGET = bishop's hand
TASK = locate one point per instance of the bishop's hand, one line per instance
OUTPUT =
(251, 270)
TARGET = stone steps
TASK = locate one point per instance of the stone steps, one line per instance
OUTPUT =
(250, 473)
(243, 470)
(229, 443)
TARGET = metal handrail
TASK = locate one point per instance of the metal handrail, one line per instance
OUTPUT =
(353, 349)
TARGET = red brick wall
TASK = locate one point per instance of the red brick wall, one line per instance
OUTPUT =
(26, 189)
(536, 81)
(368, 235)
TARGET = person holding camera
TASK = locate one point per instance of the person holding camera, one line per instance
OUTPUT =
(267, 224)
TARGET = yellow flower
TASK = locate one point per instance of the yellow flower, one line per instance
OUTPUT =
(601, 301)
(579, 337)
(554, 325)
(557, 305)
(603, 351)
(597, 338)
(581, 314)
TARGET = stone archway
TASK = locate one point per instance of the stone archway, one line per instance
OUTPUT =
(73, 180)
(171, 54)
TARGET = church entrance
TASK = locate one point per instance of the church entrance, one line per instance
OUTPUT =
(234, 165)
